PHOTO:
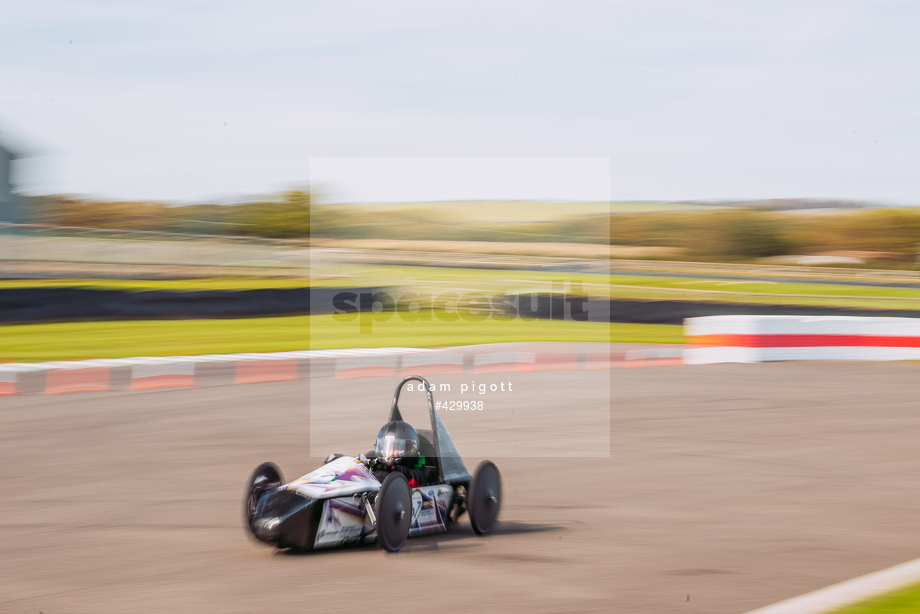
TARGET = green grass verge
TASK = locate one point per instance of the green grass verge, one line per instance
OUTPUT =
(759, 287)
(904, 601)
(327, 332)
(87, 340)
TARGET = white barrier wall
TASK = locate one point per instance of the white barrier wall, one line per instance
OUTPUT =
(767, 338)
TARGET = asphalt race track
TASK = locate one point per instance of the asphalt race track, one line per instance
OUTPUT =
(726, 488)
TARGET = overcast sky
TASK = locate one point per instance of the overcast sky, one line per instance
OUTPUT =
(687, 100)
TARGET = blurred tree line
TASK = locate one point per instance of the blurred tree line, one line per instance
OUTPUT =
(748, 234)
(723, 234)
(284, 216)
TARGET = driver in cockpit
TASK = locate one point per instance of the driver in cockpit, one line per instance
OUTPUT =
(398, 450)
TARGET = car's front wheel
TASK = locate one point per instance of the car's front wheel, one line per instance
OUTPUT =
(265, 478)
(394, 512)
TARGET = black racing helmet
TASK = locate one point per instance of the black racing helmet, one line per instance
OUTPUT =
(397, 440)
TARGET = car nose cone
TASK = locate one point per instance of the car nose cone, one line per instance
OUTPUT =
(267, 529)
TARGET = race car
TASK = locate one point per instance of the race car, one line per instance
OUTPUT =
(359, 499)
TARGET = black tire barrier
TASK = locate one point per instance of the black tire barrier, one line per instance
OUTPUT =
(31, 305)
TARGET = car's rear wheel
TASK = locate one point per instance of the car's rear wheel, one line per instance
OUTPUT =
(394, 512)
(484, 499)
(265, 478)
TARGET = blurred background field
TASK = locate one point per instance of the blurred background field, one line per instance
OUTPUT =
(726, 253)
(739, 231)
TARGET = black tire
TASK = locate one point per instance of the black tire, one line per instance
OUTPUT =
(266, 477)
(394, 512)
(484, 499)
